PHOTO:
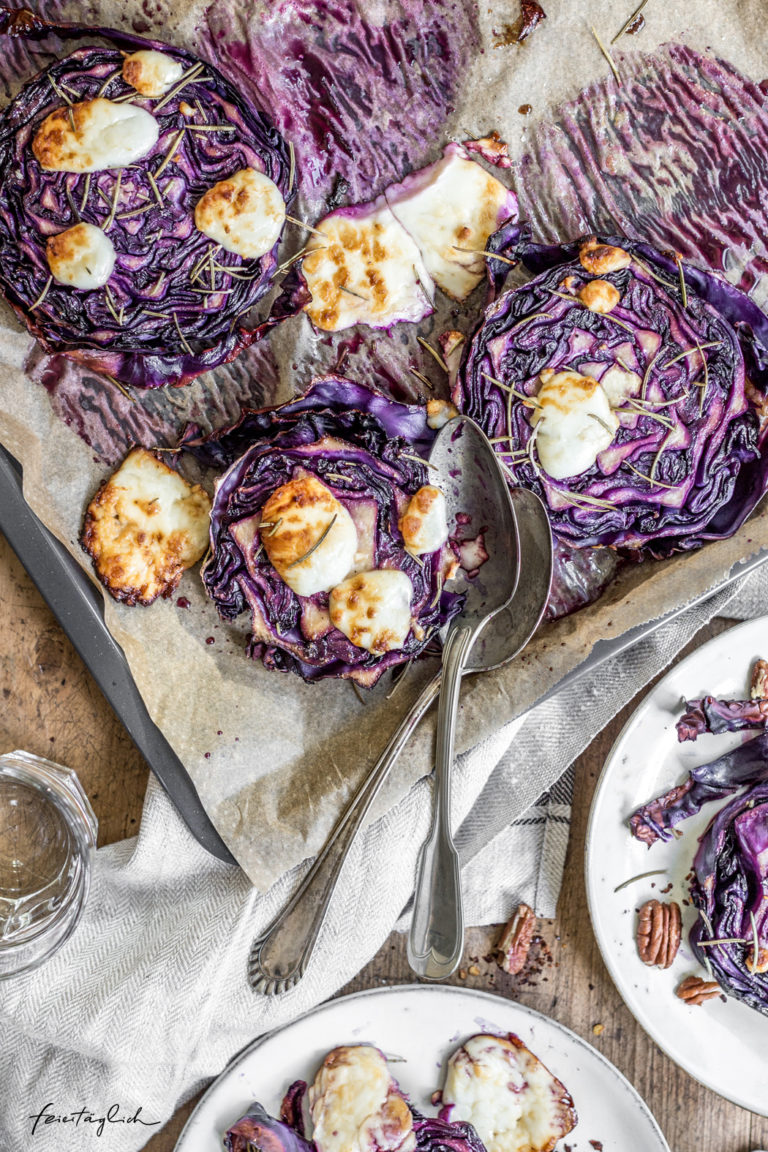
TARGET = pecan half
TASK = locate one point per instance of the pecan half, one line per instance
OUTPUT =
(659, 928)
(694, 990)
(758, 689)
(515, 940)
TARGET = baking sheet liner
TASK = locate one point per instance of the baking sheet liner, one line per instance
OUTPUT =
(273, 759)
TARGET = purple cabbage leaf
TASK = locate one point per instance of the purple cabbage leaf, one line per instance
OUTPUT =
(257, 1131)
(716, 716)
(746, 764)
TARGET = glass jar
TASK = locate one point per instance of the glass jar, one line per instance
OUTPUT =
(47, 836)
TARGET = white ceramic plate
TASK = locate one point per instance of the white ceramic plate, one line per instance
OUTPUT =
(723, 1045)
(422, 1024)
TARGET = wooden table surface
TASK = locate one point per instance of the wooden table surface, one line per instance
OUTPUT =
(52, 707)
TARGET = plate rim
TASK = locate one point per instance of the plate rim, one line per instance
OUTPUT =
(591, 885)
(386, 991)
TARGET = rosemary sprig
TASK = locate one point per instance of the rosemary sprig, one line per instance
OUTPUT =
(155, 189)
(403, 673)
(184, 342)
(681, 273)
(599, 420)
(654, 275)
(565, 296)
(640, 876)
(581, 497)
(650, 479)
(292, 167)
(756, 942)
(357, 691)
(42, 295)
(298, 256)
(656, 458)
(112, 76)
(433, 352)
(629, 22)
(485, 252)
(273, 525)
(177, 139)
(621, 323)
(527, 401)
(210, 128)
(724, 940)
(439, 591)
(316, 545)
(160, 315)
(646, 408)
(187, 78)
(351, 292)
(532, 316)
(86, 192)
(420, 376)
(302, 224)
(689, 352)
(134, 212)
(196, 270)
(647, 374)
(110, 300)
(121, 388)
(70, 200)
(418, 459)
(608, 56)
(115, 197)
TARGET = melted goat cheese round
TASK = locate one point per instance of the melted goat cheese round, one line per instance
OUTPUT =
(94, 135)
(373, 609)
(574, 423)
(151, 73)
(295, 517)
(81, 257)
(244, 213)
(424, 524)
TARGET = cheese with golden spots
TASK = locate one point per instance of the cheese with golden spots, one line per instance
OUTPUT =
(144, 526)
(373, 609)
(574, 423)
(512, 1101)
(356, 1106)
(94, 135)
(364, 268)
(82, 257)
(245, 213)
(424, 524)
(294, 519)
(152, 73)
(450, 209)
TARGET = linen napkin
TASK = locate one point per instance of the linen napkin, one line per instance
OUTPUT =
(149, 1000)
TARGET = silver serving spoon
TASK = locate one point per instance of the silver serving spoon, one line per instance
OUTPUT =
(279, 956)
(474, 484)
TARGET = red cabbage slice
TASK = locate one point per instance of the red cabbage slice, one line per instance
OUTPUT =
(367, 456)
(685, 464)
(157, 324)
(730, 890)
(435, 1135)
(258, 1130)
